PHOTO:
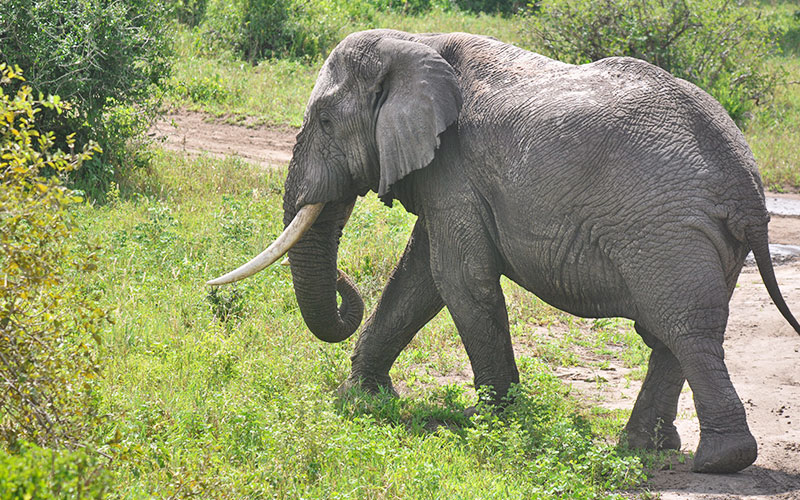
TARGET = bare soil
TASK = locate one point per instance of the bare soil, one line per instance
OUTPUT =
(762, 350)
(198, 133)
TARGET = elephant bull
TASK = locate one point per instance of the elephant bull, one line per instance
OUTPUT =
(607, 189)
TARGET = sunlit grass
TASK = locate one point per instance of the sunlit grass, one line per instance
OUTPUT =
(275, 92)
(773, 132)
(271, 93)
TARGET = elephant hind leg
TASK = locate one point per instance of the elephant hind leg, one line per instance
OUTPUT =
(652, 421)
(683, 302)
(726, 444)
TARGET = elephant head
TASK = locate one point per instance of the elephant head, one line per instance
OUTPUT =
(379, 104)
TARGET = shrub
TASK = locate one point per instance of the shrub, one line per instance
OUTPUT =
(366, 10)
(189, 12)
(47, 364)
(717, 44)
(264, 29)
(504, 7)
(103, 56)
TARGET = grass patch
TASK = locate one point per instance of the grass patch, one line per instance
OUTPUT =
(229, 395)
(772, 134)
(272, 93)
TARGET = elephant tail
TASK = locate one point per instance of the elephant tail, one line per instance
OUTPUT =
(759, 243)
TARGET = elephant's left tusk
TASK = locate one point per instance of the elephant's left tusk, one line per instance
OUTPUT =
(285, 262)
(293, 232)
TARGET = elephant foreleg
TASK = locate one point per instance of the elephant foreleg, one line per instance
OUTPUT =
(466, 269)
(651, 425)
(409, 300)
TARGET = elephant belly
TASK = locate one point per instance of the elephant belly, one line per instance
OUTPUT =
(567, 270)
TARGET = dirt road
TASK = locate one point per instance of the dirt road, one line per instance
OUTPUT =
(762, 351)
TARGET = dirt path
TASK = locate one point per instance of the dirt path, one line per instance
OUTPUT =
(762, 351)
(198, 133)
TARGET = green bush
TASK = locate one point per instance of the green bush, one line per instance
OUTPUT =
(790, 32)
(717, 44)
(366, 10)
(504, 7)
(264, 29)
(45, 474)
(47, 323)
(104, 56)
(189, 12)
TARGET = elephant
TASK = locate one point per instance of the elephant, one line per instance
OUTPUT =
(609, 189)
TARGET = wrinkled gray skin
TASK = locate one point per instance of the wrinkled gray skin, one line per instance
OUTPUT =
(608, 189)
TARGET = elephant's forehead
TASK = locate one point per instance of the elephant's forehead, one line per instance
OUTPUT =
(329, 81)
(326, 89)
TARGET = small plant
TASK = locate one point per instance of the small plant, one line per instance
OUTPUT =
(225, 306)
(201, 89)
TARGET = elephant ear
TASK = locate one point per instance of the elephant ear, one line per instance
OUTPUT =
(418, 99)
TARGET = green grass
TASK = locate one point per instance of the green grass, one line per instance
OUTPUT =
(502, 28)
(229, 396)
(773, 133)
(272, 93)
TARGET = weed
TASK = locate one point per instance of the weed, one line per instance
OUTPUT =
(224, 305)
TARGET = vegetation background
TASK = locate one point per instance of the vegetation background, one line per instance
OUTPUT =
(125, 377)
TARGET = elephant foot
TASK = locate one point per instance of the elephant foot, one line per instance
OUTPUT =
(724, 453)
(370, 385)
(658, 436)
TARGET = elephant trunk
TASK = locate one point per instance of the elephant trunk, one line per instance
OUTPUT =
(317, 280)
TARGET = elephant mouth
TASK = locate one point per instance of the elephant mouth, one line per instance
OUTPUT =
(301, 223)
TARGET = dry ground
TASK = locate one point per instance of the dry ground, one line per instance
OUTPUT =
(762, 351)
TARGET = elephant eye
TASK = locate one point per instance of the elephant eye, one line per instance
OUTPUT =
(326, 123)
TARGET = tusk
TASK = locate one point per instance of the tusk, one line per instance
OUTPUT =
(293, 232)
(349, 212)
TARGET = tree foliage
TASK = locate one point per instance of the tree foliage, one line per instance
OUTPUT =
(102, 55)
(47, 363)
(719, 45)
